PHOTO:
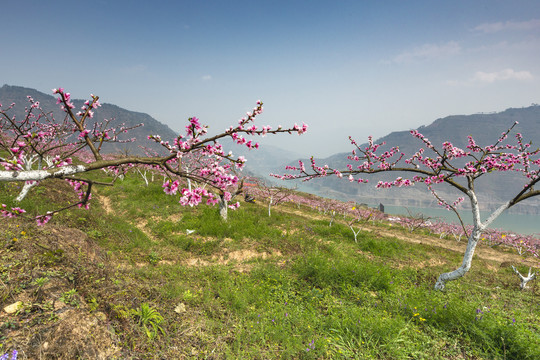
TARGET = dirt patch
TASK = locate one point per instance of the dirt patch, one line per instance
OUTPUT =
(175, 217)
(304, 214)
(196, 262)
(166, 262)
(243, 256)
(48, 276)
(141, 225)
(238, 257)
(106, 203)
(429, 263)
(77, 335)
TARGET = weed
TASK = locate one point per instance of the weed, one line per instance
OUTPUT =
(51, 257)
(154, 258)
(70, 298)
(96, 234)
(150, 319)
(93, 304)
(41, 281)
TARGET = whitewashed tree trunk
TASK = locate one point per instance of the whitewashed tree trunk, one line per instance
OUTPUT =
(270, 206)
(26, 188)
(144, 175)
(465, 265)
(524, 279)
(332, 219)
(478, 228)
(223, 207)
(355, 233)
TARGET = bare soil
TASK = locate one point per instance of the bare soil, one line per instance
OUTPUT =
(51, 322)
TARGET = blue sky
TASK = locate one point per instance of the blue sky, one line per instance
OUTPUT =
(344, 67)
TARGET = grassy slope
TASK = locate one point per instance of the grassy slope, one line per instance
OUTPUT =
(125, 280)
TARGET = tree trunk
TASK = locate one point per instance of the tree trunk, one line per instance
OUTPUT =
(355, 233)
(465, 265)
(223, 208)
(26, 188)
(332, 219)
(524, 279)
(478, 228)
(270, 206)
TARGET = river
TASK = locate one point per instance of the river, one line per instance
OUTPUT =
(521, 224)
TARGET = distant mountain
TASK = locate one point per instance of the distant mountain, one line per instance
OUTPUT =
(265, 160)
(18, 95)
(485, 129)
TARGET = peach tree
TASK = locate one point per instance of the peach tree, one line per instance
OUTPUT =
(39, 147)
(444, 165)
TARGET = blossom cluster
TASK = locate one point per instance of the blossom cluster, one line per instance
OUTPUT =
(204, 162)
(78, 187)
(15, 211)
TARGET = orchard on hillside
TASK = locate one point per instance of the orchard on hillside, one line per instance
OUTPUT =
(447, 164)
(39, 147)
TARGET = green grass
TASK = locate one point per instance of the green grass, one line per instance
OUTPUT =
(285, 286)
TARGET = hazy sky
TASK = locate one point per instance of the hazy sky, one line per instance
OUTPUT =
(343, 67)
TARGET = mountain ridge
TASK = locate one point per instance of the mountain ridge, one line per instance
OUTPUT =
(485, 129)
(18, 95)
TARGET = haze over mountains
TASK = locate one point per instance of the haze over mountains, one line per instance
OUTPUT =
(485, 128)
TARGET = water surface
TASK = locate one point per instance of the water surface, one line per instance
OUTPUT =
(517, 223)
